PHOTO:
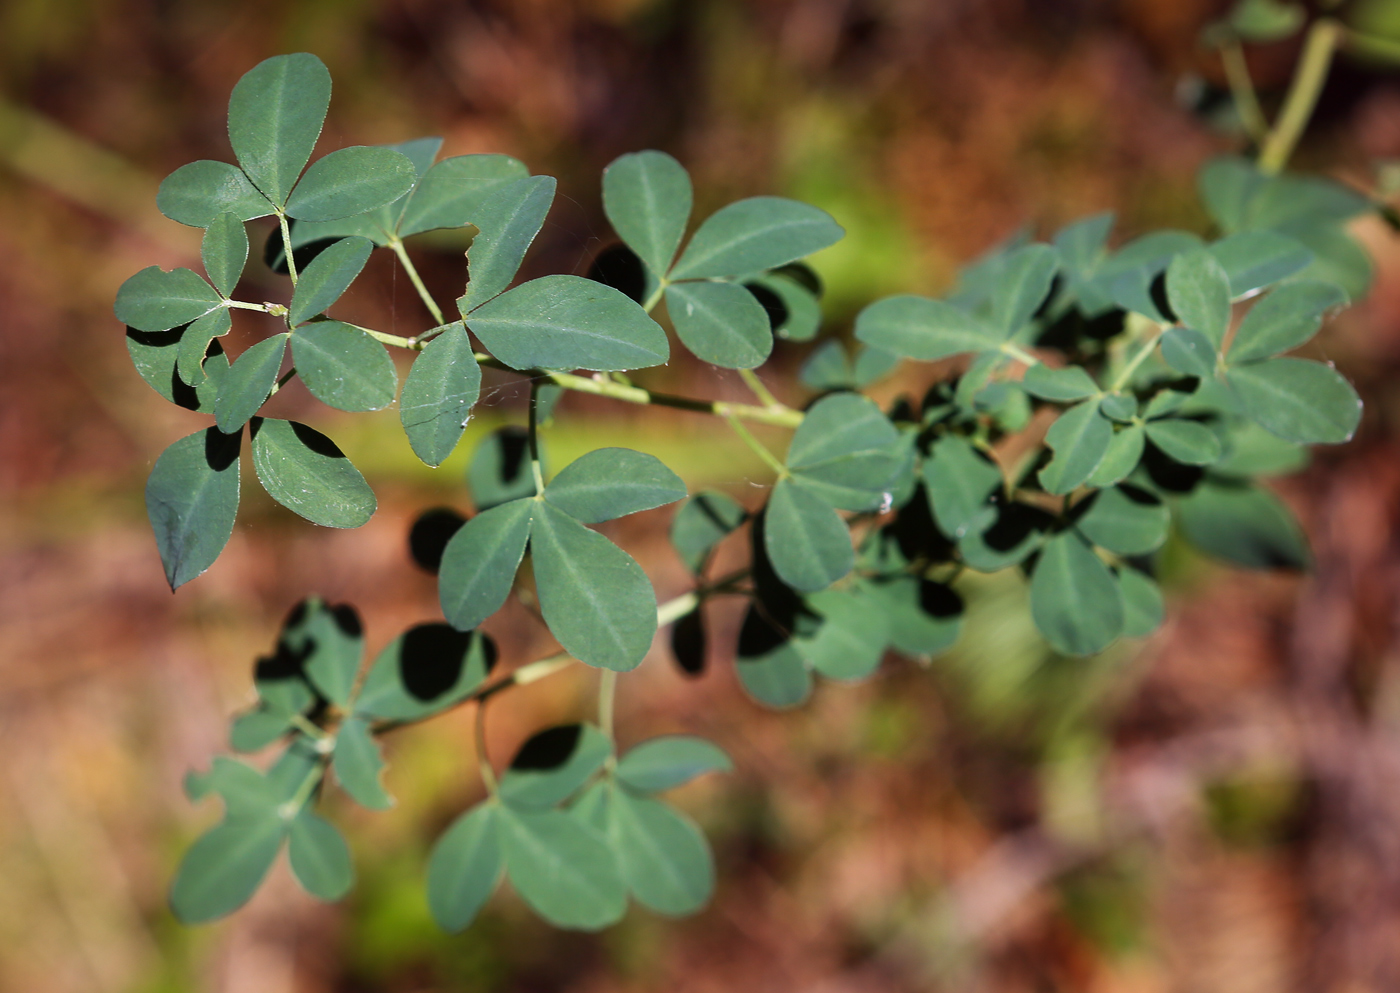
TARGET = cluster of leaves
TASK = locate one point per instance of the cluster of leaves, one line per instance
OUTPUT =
(1098, 395)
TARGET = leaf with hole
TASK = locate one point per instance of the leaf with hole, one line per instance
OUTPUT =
(1075, 600)
(156, 358)
(343, 367)
(443, 385)
(647, 197)
(1298, 400)
(194, 344)
(612, 482)
(721, 323)
(307, 473)
(479, 563)
(552, 764)
(452, 192)
(753, 234)
(507, 219)
(594, 596)
(568, 322)
(465, 868)
(923, 329)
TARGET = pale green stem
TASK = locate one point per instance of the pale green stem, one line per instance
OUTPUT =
(308, 786)
(757, 446)
(673, 610)
(761, 391)
(1127, 372)
(299, 722)
(1369, 44)
(287, 246)
(1019, 353)
(607, 692)
(262, 308)
(483, 762)
(1321, 44)
(1242, 90)
(655, 297)
(417, 282)
(534, 438)
(282, 381)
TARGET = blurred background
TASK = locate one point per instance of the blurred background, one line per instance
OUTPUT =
(1214, 809)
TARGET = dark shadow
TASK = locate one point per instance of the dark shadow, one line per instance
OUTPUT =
(431, 659)
(515, 446)
(803, 275)
(916, 532)
(430, 535)
(1014, 524)
(771, 303)
(347, 619)
(221, 449)
(549, 749)
(619, 267)
(688, 643)
(1160, 298)
(276, 259)
(316, 441)
(1169, 474)
(939, 600)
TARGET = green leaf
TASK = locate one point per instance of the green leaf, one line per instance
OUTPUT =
(451, 193)
(1075, 601)
(552, 765)
(595, 598)
(647, 197)
(1340, 259)
(924, 617)
(1252, 451)
(568, 322)
(753, 234)
(320, 858)
(465, 867)
(778, 678)
(343, 367)
(852, 637)
(562, 869)
(156, 358)
(223, 869)
(847, 451)
(959, 482)
(275, 115)
(1189, 352)
(479, 563)
(500, 468)
(1189, 442)
(1295, 203)
(249, 383)
(192, 500)
(194, 344)
(507, 220)
(1124, 453)
(1080, 438)
(225, 252)
(255, 729)
(246, 793)
(1126, 520)
(1143, 609)
(1298, 400)
(305, 472)
(443, 385)
(1227, 185)
(358, 764)
(613, 482)
(1266, 20)
(332, 641)
(827, 368)
(1244, 524)
(1081, 244)
(806, 540)
(351, 181)
(721, 323)
(663, 763)
(426, 669)
(326, 277)
(197, 193)
(1255, 259)
(804, 310)
(1286, 318)
(1070, 383)
(1199, 292)
(153, 300)
(663, 856)
(923, 329)
(1121, 407)
(872, 364)
(1022, 287)
(701, 523)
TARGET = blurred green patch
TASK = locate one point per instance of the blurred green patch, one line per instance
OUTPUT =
(1256, 811)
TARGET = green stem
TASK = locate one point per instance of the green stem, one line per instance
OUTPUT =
(262, 308)
(1321, 44)
(534, 437)
(417, 282)
(1242, 90)
(607, 692)
(673, 610)
(1127, 372)
(757, 446)
(483, 762)
(282, 381)
(761, 391)
(308, 786)
(655, 297)
(1369, 44)
(413, 344)
(1019, 353)
(287, 246)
